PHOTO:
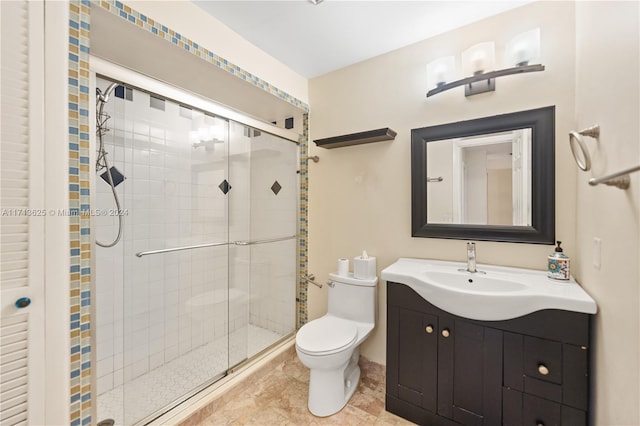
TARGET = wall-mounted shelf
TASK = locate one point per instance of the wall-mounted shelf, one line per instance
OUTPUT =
(378, 135)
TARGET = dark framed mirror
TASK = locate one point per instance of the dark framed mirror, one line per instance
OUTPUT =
(488, 179)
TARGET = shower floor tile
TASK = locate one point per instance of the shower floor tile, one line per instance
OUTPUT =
(159, 387)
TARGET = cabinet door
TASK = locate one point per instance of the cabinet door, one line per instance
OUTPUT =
(417, 358)
(470, 372)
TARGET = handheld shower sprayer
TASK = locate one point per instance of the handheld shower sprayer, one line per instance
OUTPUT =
(101, 117)
(111, 175)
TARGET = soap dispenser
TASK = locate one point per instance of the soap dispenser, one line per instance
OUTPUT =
(558, 266)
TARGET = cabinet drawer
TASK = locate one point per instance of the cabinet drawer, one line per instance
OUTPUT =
(543, 359)
(540, 412)
(527, 410)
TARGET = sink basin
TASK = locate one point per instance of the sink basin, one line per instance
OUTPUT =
(473, 283)
(495, 293)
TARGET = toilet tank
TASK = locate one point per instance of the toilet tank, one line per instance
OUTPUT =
(353, 299)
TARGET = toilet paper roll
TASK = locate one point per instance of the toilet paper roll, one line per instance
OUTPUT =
(343, 267)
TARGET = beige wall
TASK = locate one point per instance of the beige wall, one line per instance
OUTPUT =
(191, 21)
(359, 196)
(607, 89)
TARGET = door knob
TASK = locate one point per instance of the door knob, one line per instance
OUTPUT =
(23, 302)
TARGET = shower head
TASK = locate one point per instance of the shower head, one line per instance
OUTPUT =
(116, 177)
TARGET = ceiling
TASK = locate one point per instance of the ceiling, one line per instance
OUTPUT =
(317, 39)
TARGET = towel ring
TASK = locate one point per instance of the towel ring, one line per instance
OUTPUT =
(580, 151)
(578, 147)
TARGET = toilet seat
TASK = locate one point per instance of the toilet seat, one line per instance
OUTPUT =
(326, 336)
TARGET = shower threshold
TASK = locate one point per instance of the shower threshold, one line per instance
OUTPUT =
(157, 388)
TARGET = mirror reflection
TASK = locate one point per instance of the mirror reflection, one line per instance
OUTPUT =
(481, 179)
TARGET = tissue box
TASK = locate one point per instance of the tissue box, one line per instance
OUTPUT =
(364, 268)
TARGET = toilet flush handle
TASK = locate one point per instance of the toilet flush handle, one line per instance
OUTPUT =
(331, 283)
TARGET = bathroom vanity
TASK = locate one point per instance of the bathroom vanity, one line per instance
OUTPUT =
(446, 369)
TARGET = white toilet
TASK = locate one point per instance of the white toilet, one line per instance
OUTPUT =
(329, 345)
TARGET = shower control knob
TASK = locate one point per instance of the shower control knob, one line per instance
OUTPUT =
(23, 302)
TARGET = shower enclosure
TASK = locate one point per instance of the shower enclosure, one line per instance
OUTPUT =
(204, 276)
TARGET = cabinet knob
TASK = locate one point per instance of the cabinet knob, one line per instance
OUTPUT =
(429, 329)
(445, 332)
(539, 424)
(543, 370)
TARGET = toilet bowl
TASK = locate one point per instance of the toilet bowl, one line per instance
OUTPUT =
(329, 346)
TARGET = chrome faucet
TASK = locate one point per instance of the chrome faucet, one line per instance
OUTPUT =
(471, 257)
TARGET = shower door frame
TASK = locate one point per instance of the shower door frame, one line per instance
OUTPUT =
(175, 93)
(109, 70)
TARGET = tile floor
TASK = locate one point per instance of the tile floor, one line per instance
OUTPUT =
(178, 377)
(278, 396)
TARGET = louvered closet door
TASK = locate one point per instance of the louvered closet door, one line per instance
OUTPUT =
(22, 215)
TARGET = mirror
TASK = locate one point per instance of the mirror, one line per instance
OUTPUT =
(487, 179)
(480, 179)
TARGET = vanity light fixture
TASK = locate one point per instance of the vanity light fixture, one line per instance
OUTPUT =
(440, 71)
(478, 62)
(523, 49)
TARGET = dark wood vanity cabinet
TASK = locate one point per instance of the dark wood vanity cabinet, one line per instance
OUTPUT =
(446, 370)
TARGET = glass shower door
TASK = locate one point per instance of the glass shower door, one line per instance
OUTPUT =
(263, 226)
(204, 276)
(175, 325)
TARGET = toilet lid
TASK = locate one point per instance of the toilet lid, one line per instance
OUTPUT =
(326, 335)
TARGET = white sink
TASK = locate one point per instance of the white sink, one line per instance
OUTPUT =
(496, 293)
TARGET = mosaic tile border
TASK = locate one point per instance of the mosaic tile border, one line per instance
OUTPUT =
(303, 231)
(136, 18)
(79, 219)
